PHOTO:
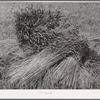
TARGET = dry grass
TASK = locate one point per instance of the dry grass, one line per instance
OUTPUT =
(36, 67)
(32, 68)
(64, 76)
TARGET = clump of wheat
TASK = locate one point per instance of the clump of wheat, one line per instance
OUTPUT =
(58, 57)
(37, 66)
(33, 27)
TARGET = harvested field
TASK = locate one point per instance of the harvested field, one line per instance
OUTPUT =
(49, 46)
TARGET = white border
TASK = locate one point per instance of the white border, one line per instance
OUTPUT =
(50, 94)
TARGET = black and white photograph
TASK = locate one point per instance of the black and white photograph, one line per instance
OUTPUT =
(49, 45)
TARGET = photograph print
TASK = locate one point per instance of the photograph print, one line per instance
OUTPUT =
(49, 45)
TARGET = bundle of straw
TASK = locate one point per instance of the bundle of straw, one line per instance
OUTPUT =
(32, 67)
(65, 75)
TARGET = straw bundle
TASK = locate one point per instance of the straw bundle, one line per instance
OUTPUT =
(64, 76)
(55, 56)
(58, 68)
(32, 67)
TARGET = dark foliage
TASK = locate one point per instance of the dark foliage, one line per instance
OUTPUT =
(34, 25)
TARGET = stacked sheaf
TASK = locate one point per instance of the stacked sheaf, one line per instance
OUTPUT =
(58, 57)
(34, 28)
